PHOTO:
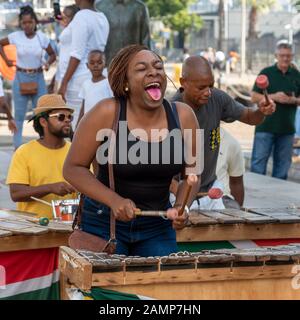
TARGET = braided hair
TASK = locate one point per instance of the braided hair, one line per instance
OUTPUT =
(117, 73)
(37, 125)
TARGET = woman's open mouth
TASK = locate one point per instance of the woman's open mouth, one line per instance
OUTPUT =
(154, 90)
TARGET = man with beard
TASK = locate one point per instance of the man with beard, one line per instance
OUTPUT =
(212, 105)
(36, 167)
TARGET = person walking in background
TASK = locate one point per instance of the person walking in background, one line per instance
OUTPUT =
(4, 106)
(89, 30)
(64, 44)
(29, 83)
(276, 133)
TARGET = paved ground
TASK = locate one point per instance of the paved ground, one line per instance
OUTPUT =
(242, 132)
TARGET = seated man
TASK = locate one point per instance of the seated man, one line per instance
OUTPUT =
(230, 170)
(36, 167)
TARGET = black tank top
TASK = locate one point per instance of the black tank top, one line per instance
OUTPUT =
(146, 183)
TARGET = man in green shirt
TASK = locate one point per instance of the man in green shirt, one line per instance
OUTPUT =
(276, 133)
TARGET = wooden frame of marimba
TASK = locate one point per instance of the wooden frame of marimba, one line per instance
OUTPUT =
(213, 282)
(232, 224)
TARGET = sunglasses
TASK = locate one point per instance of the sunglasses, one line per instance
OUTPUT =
(61, 116)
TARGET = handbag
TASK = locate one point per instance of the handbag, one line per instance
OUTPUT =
(81, 240)
(28, 88)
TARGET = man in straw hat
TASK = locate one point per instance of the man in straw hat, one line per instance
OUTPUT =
(36, 167)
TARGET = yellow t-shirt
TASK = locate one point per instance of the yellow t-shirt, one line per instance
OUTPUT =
(35, 165)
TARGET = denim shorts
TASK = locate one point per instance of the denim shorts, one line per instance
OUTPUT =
(142, 236)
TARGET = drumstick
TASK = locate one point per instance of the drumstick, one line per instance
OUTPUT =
(164, 214)
(139, 212)
(41, 201)
(192, 179)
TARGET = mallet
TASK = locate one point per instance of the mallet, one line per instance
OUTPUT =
(262, 83)
(191, 180)
(213, 193)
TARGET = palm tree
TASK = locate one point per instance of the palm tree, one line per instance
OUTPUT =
(256, 6)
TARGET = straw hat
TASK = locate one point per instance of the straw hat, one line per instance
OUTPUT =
(49, 102)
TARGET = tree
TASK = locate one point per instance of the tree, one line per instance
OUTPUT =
(174, 14)
(221, 14)
(257, 6)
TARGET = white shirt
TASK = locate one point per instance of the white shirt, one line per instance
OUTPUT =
(92, 92)
(65, 43)
(230, 160)
(29, 51)
(1, 88)
(89, 31)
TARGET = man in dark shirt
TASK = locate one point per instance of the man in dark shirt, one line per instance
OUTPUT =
(212, 105)
(277, 131)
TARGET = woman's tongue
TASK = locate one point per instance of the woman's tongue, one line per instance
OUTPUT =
(154, 93)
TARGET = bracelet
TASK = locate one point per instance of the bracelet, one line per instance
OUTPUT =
(187, 209)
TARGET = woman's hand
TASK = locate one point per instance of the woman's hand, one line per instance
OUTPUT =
(123, 209)
(179, 222)
(62, 90)
(12, 126)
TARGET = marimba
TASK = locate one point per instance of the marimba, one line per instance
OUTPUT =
(20, 231)
(233, 224)
(262, 273)
(29, 256)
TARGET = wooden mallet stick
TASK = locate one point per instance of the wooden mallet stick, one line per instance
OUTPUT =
(41, 201)
(191, 180)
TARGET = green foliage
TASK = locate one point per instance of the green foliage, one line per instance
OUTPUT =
(162, 8)
(296, 4)
(261, 4)
(174, 14)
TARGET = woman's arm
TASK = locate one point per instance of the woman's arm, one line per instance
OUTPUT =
(11, 122)
(4, 42)
(72, 66)
(52, 57)
(82, 152)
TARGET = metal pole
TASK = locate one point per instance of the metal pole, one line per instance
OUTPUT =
(243, 38)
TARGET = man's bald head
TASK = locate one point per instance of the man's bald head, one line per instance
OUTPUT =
(197, 81)
(195, 66)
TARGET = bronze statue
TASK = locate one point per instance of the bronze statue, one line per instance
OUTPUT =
(128, 22)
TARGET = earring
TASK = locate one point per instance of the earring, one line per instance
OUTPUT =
(126, 89)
